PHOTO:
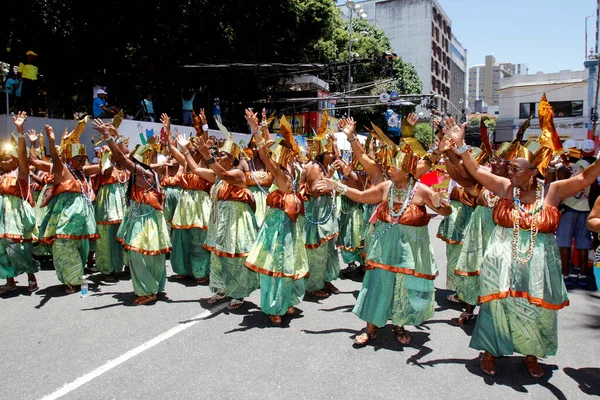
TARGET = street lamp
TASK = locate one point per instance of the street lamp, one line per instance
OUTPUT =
(353, 7)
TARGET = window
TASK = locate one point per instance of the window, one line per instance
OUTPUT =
(562, 109)
(526, 110)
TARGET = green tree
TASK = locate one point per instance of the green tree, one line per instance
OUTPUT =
(424, 134)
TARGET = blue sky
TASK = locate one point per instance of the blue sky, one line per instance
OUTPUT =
(547, 36)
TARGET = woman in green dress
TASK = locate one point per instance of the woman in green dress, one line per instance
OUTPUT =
(110, 205)
(190, 222)
(69, 224)
(232, 227)
(400, 266)
(521, 280)
(17, 220)
(278, 254)
(143, 231)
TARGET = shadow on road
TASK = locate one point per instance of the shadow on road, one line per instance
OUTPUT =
(254, 318)
(588, 379)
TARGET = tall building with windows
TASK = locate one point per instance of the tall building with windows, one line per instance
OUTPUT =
(484, 80)
(421, 33)
(458, 79)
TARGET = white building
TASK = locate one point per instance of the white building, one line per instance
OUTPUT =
(419, 32)
(458, 79)
(486, 79)
(519, 97)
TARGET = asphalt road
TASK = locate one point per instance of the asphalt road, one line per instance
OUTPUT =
(103, 347)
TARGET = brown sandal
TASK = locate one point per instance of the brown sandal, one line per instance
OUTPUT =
(330, 288)
(402, 335)
(318, 293)
(275, 319)
(364, 337)
(202, 281)
(488, 364)
(142, 300)
(533, 367)
(70, 289)
(290, 311)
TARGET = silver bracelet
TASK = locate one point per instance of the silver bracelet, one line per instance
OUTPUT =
(205, 127)
(352, 139)
(463, 149)
(341, 188)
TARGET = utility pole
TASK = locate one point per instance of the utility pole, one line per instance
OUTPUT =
(350, 58)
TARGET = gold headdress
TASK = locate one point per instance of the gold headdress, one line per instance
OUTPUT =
(286, 146)
(9, 147)
(508, 150)
(228, 145)
(70, 145)
(322, 142)
(540, 152)
(145, 151)
(401, 156)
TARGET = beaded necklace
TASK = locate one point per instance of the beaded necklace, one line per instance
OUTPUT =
(395, 217)
(539, 199)
(256, 173)
(356, 204)
(120, 185)
(89, 196)
(151, 186)
(490, 198)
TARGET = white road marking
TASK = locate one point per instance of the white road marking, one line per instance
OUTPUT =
(69, 387)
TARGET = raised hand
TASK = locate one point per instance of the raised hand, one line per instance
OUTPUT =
(100, 126)
(182, 140)
(454, 131)
(343, 167)
(348, 126)
(49, 132)
(32, 135)
(252, 119)
(202, 147)
(19, 120)
(203, 117)
(412, 118)
(166, 121)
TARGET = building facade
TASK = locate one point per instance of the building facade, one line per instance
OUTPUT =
(419, 32)
(458, 79)
(485, 79)
(567, 92)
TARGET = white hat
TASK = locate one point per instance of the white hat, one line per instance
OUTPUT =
(570, 143)
(588, 146)
(101, 92)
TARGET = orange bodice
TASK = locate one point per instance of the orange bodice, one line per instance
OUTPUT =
(13, 186)
(170, 180)
(467, 197)
(116, 176)
(151, 197)
(264, 179)
(191, 181)
(548, 219)
(291, 203)
(69, 186)
(413, 215)
(227, 192)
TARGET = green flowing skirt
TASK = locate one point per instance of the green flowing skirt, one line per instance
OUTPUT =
(143, 229)
(69, 257)
(321, 224)
(452, 231)
(230, 276)
(192, 211)
(110, 203)
(172, 195)
(260, 198)
(280, 258)
(352, 230)
(16, 259)
(470, 259)
(148, 272)
(17, 219)
(109, 252)
(234, 232)
(189, 257)
(519, 302)
(68, 216)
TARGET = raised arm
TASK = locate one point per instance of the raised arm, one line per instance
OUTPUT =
(184, 157)
(19, 120)
(232, 176)
(33, 158)
(348, 126)
(496, 184)
(561, 189)
(374, 195)
(57, 165)
(281, 179)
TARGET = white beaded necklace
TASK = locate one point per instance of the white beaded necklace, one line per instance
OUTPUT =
(89, 196)
(537, 206)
